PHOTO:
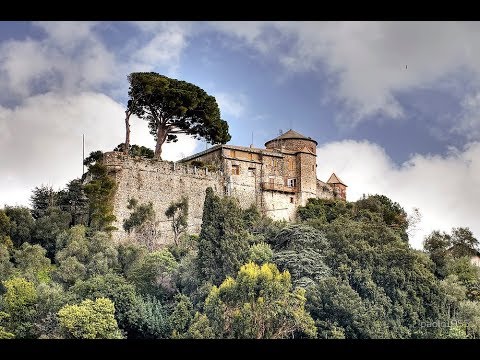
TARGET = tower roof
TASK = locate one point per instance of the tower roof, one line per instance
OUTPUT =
(291, 134)
(334, 179)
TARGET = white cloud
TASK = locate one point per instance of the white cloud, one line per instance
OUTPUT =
(69, 58)
(42, 140)
(166, 42)
(469, 119)
(367, 61)
(231, 105)
(445, 189)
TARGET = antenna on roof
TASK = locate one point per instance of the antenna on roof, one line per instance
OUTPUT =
(251, 144)
(83, 155)
(280, 131)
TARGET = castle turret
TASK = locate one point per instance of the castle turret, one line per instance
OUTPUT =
(339, 188)
(292, 140)
(305, 151)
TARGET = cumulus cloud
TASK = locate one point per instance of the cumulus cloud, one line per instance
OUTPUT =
(446, 189)
(469, 118)
(69, 57)
(52, 88)
(369, 63)
(231, 105)
(165, 44)
(41, 141)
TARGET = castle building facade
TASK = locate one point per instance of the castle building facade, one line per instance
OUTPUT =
(277, 179)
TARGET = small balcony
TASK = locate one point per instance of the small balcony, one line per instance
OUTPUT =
(268, 186)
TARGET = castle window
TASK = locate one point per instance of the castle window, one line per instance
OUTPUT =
(235, 170)
(251, 171)
(232, 153)
(271, 180)
(292, 182)
(275, 162)
(292, 200)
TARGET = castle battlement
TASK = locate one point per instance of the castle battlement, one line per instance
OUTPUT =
(116, 161)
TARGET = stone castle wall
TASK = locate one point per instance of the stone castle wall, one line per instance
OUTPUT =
(256, 180)
(161, 183)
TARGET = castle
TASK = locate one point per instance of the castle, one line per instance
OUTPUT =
(278, 179)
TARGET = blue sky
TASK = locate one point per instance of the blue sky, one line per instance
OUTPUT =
(393, 105)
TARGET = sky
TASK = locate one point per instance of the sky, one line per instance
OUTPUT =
(394, 106)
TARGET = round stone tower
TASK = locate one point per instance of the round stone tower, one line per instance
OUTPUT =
(293, 141)
(305, 151)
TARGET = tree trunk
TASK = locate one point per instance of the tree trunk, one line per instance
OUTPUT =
(127, 132)
(161, 137)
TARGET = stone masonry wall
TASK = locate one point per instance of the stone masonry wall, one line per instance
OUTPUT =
(160, 182)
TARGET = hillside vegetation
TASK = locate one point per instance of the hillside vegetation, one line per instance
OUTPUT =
(343, 270)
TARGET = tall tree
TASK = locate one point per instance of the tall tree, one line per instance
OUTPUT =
(172, 107)
(258, 304)
(90, 320)
(222, 245)
(178, 212)
(21, 224)
(463, 242)
(74, 200)
(42, 198)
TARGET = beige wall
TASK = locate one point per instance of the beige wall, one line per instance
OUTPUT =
(160, 182)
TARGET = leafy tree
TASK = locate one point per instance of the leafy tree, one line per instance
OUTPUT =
(154, 274)
(118, 290)
(466, 272)
(152, 320)
(89, 320)
(222, 245)
(129, 256)
(32, 263)
(4, 334)
(463, 242)
(251, 217)
(21, 224)
(436, 245)
(19, 302)
(182, 316)
(339, 311)
(379, 265)
(46, 229)
(42, 198)
(178, 212)
(51, 298)
(258, 304)
(300, 250)
(200, 328)
(93, 158)
(324, 210)
(260, 253)
(455, 292)
(469, 318)
(5, 230)
(171, 107)
(142, 220)
(136, 150)
(6, 267)
(80, 255)
(100, 192)
(74, 201)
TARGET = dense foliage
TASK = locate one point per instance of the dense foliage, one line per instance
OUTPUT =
(343, 270)
(172, 107)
